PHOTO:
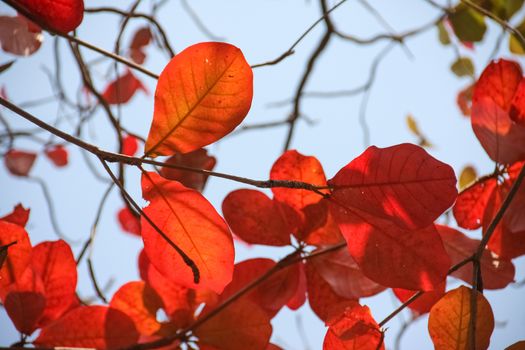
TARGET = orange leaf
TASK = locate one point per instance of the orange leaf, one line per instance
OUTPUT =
(140, 302)
(203, 93)
(502, 139)
(91, 327)
(17, 36)
(62, 16)
(344, 276)
(58, 155)
(19, 163)
(18, 255)
(402, 183)
(196, 159)
(19, 216)
(54, 263)
(497, 272)
(191, 222)
(448, 323)
(255, 218)
(242, 325)
(292, 165)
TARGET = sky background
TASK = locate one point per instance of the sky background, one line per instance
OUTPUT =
(414, 79)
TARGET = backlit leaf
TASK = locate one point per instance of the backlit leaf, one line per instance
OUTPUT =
(140, 302)
(19, 254)
(54, 263)
(402, 183)
(122, 89)
(128, 221)
(19, 36)
(255, 218)
(502, 139)
(497, 273)
(19, 216)
(203, 93)
(90, 327)
(19, 163)
(299, 297)
(467, 176)
(62, 16)
(424, 303)
(197, 159)
(319, 227)
(449, 319)
(471, 203)
(242, 325)
(191, 222)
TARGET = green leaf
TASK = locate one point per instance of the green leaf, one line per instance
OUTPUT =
(468, 24)
(462, 67)
(443, 36)
(503, 9)
(515, 45)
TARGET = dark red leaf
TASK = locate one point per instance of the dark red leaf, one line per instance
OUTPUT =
(319, 227)
(62, 16)
(122, 89)
(19, 163)
(128, 222)
(299, 298)
(197, 159)
(255, 218)
(401, 183)
(424, 303)
(17, 36)
(58, 155)
(471, 203)
(54, 263)
(141, 38)
(19, 216)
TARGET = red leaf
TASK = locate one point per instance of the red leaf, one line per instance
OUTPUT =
(449, 319)
(141, 39)
(354, 329)
(390, 255)
(191, 222)
(90, 327)
(273, 293)
(242, 325)
(255, 218)
(464, 100)
(343, 275)
(179, 302)
(517, 108)
(325, 303)
(471, 203)
(502, 139)
(129, 145)
(203, 93)
(122, 89)
(319, 227)
(140, 302)
(128, 222)
(401, 183)
(62, 16)
(17, 36)
(299, 297)
(197, 159)
(54, 263)
(424, 303)
(19, 162)
(294, 166)
(497, 273)
(19, 216)
(25, 301)
(58, 155)
(18, 255)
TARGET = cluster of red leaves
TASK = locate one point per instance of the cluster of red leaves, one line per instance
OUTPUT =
(20, 162)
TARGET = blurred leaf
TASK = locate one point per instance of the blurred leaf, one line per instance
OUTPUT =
(503, 9)
(467, 176)
(515, 45)
(468, 24)
(443, 36)
(414, 128)
(462, 67)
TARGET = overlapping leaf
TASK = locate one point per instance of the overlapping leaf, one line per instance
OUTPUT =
(424, 303)
(449, 319)
(197, 159)
(19, 216)
(18, 255)
(203, 93)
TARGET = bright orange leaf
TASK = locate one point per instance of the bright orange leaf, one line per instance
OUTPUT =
(19, 216)
(449, 319)
(203, 93)
(18, 255)
(190, 222)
